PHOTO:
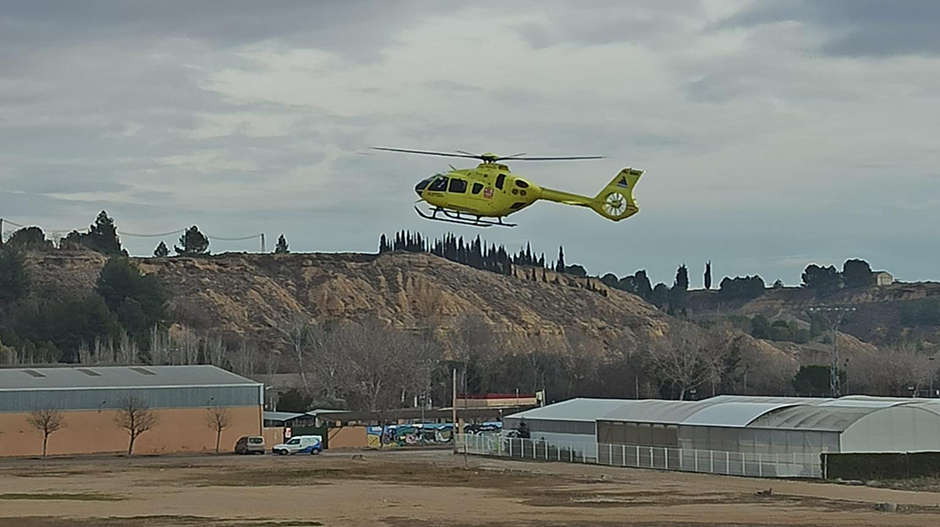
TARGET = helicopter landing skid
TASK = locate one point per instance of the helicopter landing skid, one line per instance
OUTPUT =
(455, 217)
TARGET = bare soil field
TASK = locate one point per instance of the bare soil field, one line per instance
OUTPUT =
(398, 489)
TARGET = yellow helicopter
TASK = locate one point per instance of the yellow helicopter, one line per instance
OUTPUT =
(467, 196)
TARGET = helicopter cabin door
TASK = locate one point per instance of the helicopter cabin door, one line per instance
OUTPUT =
(466, 195)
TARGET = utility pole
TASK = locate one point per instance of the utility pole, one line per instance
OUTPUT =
(933, 373)
(834, 315)
(453, 410)
(262, 242)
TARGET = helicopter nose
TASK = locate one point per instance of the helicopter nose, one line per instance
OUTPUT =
(418, 189)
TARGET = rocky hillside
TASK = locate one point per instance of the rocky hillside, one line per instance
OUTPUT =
(249, 293)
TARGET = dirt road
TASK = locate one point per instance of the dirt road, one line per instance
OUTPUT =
(420, 488)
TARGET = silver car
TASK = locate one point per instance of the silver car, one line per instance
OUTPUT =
(250, 445)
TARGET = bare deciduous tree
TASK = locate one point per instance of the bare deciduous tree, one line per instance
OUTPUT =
(242, 358)
(219, 419)
(474, 344)
(186, 342)
(381, 365)
(296, 330)
(135, 417)
(685, 358)
(893, 372)
(127, 352)
(159, 346)
(84, 353)
(8, 354)
(215, 351)
(104, 351)
(47, 421)
(326, 362)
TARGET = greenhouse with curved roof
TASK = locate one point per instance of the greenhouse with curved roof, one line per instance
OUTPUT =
(735, 430)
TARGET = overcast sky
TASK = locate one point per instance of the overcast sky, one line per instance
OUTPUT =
(773, 134)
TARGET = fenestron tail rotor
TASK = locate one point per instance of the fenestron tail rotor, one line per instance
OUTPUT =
(615, 204)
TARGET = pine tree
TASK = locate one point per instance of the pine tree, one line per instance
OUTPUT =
(560, 264)
(644, 288)
(193, 242)
(161, 251)
(281, 247)
(682, 278)
(383, 244)
(708, 275)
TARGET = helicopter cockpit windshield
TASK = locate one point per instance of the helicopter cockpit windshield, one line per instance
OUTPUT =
(436, 183)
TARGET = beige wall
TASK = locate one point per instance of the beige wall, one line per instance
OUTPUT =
(348, 437)
(272, 436)
(89, 432)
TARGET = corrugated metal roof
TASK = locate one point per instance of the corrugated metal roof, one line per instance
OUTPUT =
(654, 411)
(580, 409)
(79, 377)
(819, 417)
(732, 414)
(785, 413)
(280, 416)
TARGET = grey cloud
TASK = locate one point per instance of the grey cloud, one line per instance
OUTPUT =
(357, 30)
(604, 22)
(858, 28)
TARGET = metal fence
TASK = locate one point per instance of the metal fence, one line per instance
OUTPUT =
(803, 465)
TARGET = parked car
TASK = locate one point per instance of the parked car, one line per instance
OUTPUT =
(250, 445)
(300, 445)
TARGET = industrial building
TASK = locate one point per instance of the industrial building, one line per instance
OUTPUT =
(90, 399)
(780, 436)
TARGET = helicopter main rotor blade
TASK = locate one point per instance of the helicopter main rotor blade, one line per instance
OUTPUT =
(422, 152)
(567, 158)
(514, 156)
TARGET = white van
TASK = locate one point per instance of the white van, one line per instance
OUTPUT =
(300, 445)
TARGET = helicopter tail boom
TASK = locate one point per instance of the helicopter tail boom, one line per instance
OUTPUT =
(615, 202)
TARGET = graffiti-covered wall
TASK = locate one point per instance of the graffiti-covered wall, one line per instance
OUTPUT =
(426, 434)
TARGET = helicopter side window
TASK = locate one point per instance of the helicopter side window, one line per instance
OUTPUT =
(499, 181)
(477, 187)
(458, 186)
(438, 185)
(521, 184)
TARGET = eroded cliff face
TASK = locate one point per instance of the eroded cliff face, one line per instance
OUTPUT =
(248, 294)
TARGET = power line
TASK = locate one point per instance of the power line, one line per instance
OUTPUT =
(243, 238)
(160, 235)
(4, 221)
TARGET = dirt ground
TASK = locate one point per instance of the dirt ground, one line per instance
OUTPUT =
(399, 489)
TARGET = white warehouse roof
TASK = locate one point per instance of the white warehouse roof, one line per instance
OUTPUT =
(731, 411)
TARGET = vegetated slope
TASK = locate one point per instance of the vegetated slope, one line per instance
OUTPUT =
(883, 314)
